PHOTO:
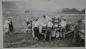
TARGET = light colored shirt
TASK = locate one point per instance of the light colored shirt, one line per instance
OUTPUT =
(56, 25)
(7, 21)
(48, 18)
(42, 22)
(35, 23)
(63, 23)
(50, 24)
(6, 25)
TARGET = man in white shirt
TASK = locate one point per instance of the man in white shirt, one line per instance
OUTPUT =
(35, 29)
(49, 29)
(63, 23)
(43, 23)
(43, 26)
(63, 27)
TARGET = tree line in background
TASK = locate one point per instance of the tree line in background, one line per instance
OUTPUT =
(73, 11)
(68, 11)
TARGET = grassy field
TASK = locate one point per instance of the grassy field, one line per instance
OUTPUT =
(20, 39)
(25, 40)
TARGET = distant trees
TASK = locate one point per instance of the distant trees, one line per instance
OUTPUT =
(73, 11)
(83, 10)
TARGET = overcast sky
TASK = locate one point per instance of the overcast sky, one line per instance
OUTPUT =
(50, 5)
(55, 4)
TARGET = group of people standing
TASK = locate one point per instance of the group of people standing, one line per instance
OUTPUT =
(59, 25)
(41, 26)
(44, 26)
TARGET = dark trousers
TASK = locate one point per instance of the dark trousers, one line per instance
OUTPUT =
(36, 32)
(62, 33)
(28, 22)
(10, 27)
(82, 42)
(49, 32)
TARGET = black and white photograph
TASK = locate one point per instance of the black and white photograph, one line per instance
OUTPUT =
(43, 23)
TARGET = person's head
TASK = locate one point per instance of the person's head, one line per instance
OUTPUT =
(64, 19)
(36, 19)
(44, 16)
(79, 21)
